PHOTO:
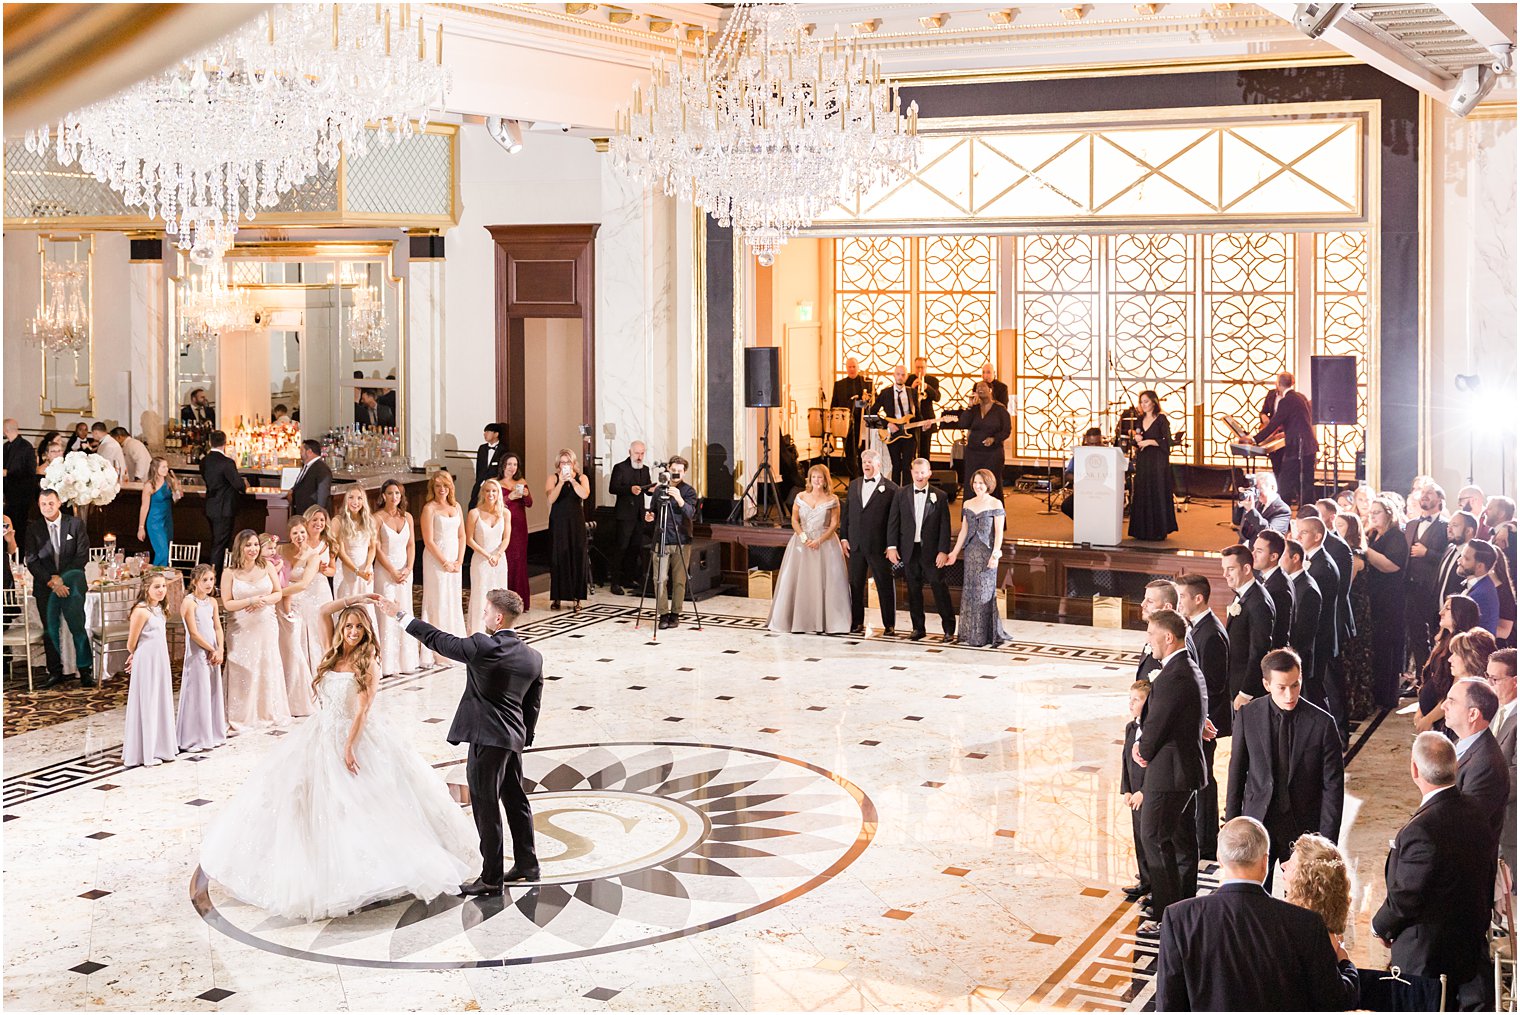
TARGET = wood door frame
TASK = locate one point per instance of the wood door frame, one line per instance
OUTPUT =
(559, 282)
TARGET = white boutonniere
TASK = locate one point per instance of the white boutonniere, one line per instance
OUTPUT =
(1233, 611)
(932, 499)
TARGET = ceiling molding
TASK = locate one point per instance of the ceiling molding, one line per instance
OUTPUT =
(1131, 68)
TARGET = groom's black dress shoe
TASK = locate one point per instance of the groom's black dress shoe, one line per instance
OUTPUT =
(479, 887)
(516, 873)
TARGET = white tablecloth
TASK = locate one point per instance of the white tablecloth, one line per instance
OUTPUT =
(94, 620)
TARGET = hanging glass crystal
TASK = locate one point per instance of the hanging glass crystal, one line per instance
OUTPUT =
(211, 305)
(367, 323)
(769, 129)
(228, 130)
(62, 321)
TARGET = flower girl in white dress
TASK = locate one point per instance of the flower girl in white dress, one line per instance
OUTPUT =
(343, 812)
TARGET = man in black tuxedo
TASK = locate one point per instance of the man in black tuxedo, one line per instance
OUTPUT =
(313, 485)
(1308, 606)
(999, 389)
(20, 476)
(1171, 752)
(898, 401)
(1309, 532)
(1159, 595)
(926, 386)
(1269, 511)
(852, 388)
(224, 485)
(369, 411)
(1286, 766)
(1291, 417)
(198, 409)
(55, 551)
(1266, 558)
(863, 535)
(1427, 534)
(497, 714)
(1461, 529)
(1209, 646)
(918, 538)
(629, 486)
(1248, 625)
(1239, 949)
(1345, 620)
(489, 457)
(1483, 776)
(1439, 875)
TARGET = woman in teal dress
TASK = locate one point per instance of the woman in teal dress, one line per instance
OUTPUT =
(155, 523)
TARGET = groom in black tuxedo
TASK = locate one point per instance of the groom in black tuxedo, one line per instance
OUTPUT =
(863, 528)
(496, 716)
(918, 534)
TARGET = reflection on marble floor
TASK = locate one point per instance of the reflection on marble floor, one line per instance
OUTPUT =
(841, 824)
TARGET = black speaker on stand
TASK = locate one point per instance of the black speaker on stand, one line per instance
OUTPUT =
(1332, 396)
(762, 390)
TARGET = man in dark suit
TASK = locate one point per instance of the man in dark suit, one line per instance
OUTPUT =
(629, 486)
(1248, 625)
(999, 389)
(926, 386)
(224, 485)
(1345, 619)
(1439, 875)
(898, 401)
(20, 476)
(1310, 534)
(1286, 767)
(313, 485)
(849, 391)
(1427, 533)
(1501, 677)
(863, 535)
(198, 409)
(1308, 606)
(1269, 511)
(1266, 558)
(369, 411)
(489, 457)
(1209, 646)
(1291, 417)
(1159, 595)
(55, 551)
(1171, 752)
(1461, 529)
(1239, 949)
(504, 682)
(1482, 775)
(918, 538)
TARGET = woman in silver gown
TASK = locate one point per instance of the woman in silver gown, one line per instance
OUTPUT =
(812, 593)
(981, 541)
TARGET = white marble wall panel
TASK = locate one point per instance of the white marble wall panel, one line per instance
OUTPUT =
(426, 389)
(151, 351)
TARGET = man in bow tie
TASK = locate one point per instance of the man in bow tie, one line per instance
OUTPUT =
(863, 527)
(898, 401)
(919, 533)
(56, 551)
(1248, 625)
(1428, 534)
(1159, 595)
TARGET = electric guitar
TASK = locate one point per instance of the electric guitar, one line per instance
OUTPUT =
(905, 425)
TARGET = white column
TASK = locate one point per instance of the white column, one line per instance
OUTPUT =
(151, 349)
(424, 386)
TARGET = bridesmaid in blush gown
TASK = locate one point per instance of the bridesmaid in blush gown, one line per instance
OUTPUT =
(149, 735)
(354, 542)
(489, 530)
(294, 659)
(202, 720)
(519, 499)
(981, 539)
(443, 555)
(319, 534)
(812, 594)
(393, 578)
(256, 695)
(307, 592)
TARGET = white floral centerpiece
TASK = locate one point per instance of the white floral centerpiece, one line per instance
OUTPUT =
(82, 479)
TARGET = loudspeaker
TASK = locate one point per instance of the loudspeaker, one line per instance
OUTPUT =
(1332, 387)
(762, 377)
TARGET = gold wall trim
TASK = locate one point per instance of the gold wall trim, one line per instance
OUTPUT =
(699, 349)
(1127, 68)
(1493, 111)
(1426, 132)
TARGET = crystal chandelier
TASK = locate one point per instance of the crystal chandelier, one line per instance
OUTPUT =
(62, 321)
(210, 305)
(367, 323)
(228, 130)
(768, 130)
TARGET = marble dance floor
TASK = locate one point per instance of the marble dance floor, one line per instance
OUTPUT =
(728, 820)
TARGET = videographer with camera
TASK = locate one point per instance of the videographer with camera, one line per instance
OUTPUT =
(672, 509)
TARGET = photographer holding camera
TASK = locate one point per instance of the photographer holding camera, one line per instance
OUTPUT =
(673, 509)
(1262, 508)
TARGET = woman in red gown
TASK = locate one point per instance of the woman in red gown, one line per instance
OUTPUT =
(518, 499)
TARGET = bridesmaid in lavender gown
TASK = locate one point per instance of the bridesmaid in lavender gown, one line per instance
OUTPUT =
(256, 695)
(519, 499)
(202, 720)
(149, 737)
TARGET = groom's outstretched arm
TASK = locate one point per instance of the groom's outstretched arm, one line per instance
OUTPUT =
(450, 646)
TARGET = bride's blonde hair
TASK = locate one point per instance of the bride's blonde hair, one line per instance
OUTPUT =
(366, 654)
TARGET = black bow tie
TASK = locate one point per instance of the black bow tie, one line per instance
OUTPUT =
(868, 482)
(920, 492)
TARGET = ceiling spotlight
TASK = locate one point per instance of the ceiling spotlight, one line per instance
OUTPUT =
(508, 133)
(1469, 382)
(1315, 19)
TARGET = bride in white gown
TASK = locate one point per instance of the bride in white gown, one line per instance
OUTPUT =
(343, 812)
(812, 593)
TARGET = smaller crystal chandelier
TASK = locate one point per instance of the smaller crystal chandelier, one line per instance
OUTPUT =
(211, 305)
(367, 323)
(62, 322)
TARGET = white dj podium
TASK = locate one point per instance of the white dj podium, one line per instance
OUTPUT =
(1098, 495)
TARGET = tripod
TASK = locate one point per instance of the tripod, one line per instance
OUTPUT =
(654, 572)
(765, 478)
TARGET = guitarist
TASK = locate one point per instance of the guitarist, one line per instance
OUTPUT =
(899, 402)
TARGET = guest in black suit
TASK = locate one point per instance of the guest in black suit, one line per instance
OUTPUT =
(1239, 949)
(369, 411)
(1171, 752)
(313, 485)
(1286, 767)
(198, 409)
(1461, 529)
(1132, 786)
(1345, 617)
(1159, 595)
(918, 538)
(1427, 534)
(926, 386)
(1268, 512)
(863, 535)
(849, 390)
(1439, 875)
(1209, 646)
(504, 682)
(1292, 418)
(629, 486)
(898, 401)
(489, 457)
(1310, 534)
(55, 551)
(224, 485)
(998, 388)
(1501, 677)
(1248, 624)
(1387, 555)
(1308, 605)
(20, 476)
(987, 425)
(1266, 558)
(1483, 775)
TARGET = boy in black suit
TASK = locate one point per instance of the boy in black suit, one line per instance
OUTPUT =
(918, 537)
(1132, 786)
(863, 526)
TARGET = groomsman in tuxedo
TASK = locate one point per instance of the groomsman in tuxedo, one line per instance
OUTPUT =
(1209, 646)
(926, 386)
(1266, 557)
(863, 527)
(488, 457)
(313, 485)
(55, 551)
(1159, 595)
(1461, 529)
(629, 485)
(1345, 619)
(1427, 533)
(918, 535)
(1322, 690)
(898, 401)
(1308, 605)
(224, 485)
(1248, 625)
(853, 387)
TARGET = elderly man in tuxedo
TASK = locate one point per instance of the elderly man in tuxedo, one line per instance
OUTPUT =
(864, 526)
(1439, 875)
(918, 534)
(1248, 625)
(1209, 646)
(55, 551)
(1291, 417)
(1239, 949)
(1501, 677)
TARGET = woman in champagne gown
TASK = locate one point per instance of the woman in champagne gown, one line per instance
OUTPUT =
(342, 812)
(294, 654)
(306, 559)
(981, 541)
(319, 533)
(354, 543)
(149, 735)
(256, 695)
(519, 498)
(489, 530)
(812, 593)
(442, 558)
(201, 723)
(393, 578)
